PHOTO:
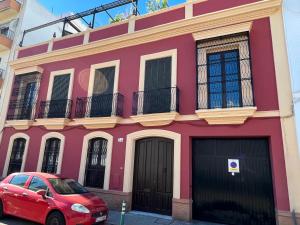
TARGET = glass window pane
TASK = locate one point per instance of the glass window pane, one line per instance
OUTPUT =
(19, 180)
(37, 184)
(224, 79)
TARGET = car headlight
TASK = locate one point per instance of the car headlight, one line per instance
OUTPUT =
(80, 208)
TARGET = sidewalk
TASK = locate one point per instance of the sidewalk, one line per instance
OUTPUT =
(131, 218)
(137, 218)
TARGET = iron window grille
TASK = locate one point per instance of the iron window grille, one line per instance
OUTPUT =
(24, 96)
(16, 157)
(95, 163)
(55, 109)
(224, 72)
(102, 105)
(156, 101)
(51, 155)
(2, 71)
(5, 31)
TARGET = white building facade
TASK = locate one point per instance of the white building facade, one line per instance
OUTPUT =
(291, 9)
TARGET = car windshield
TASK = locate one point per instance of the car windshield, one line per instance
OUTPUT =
(67, 186)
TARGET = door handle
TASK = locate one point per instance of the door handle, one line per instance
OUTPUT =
(25, 194)
(5, 188)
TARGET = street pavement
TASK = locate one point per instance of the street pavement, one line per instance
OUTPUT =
(132, 218)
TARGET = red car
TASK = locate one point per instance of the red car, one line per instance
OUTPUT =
(51, 200)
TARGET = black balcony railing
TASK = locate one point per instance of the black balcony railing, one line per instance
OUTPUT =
(224, 72)
(55, 109)
(156, 101)
(103, 105)
(20, 111)
(2, 71)
(210, 97)
(7, 33)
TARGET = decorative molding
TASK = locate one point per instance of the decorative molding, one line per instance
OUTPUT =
(85, 147)
(265, 114)
(45, 137)
(52, 123)
(60, 73)
(155, 119)
(131, 24)
(19, 124)
(97, 122)
(207, 21)
(287, 115)
(86, 37)
(29, 70)
(169, 53)
(111, 122)
(188, 10)
(222, 31)
(226, 116)
(94, 67)
(50, 45)
(9, 150)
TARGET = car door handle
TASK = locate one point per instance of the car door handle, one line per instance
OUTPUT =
(5, 188)
(25, 194)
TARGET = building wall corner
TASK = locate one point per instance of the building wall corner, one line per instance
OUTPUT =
(285, 99)
(182, 209)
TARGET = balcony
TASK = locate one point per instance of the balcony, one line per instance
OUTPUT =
(9, 9)
(232, 106)
(54, 114)
(1, 77)
(6, 39)
(20, 114)
(99, 111)
(156, 107)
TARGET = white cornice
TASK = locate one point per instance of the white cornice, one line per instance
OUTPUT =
(204, 22)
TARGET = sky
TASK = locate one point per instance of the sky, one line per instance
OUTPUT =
(59, 7)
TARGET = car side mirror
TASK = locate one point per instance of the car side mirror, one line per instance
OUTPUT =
(42, 193)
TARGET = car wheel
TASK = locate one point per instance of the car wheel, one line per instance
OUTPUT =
(55, 218)
(1, 210)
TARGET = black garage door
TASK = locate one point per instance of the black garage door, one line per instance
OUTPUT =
(153, 176)
(244, 198)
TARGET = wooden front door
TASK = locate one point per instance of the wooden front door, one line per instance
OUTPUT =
(153, 176)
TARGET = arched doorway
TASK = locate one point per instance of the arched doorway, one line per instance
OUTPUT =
(16, 157)
(51, 155)
(153, 175)
(95, 163)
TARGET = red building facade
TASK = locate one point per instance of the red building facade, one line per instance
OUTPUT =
(155, 109)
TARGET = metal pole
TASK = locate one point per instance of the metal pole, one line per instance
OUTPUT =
(64, 27)
(23, 36)
(93, 21)
(294, 217)
(122, 219)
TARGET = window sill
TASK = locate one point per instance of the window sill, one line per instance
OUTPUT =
(155, 119)
(19, 124)
(52, 123)
(97, 122)
(226, 116)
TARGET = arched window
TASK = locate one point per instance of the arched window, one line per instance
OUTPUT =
(95, 163)
(51, 155)
(16, 157)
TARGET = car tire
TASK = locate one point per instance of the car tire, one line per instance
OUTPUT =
(1, 210)
(55, 218)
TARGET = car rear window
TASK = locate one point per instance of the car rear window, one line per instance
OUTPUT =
(19, 180)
